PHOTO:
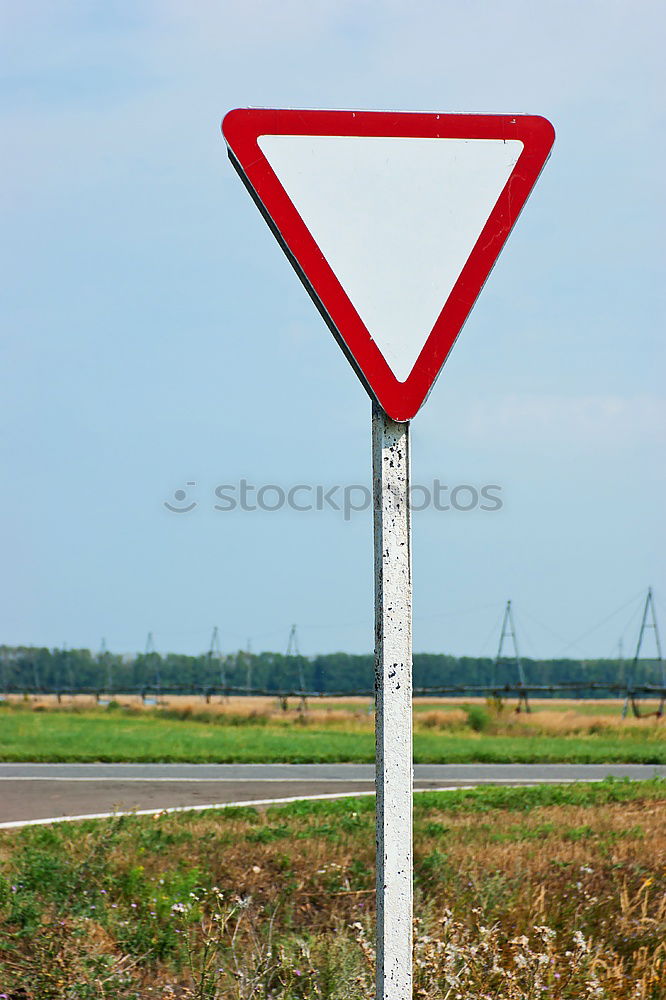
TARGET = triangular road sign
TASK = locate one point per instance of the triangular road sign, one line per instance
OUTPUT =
(392, 220)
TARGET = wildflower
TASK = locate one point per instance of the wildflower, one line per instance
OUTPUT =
(178, 908)
(580, 941)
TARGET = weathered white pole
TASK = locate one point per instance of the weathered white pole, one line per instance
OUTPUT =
(393, 689)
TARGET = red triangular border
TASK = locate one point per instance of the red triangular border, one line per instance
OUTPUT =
(242, 128)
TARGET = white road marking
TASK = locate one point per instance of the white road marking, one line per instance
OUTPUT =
(212, 780)
(15, 824)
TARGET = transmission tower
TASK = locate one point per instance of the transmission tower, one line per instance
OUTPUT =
(215, 655)
(104, 659)
(293, 650)
(292, 644)
(509, 632)
(630, 697)
(68, 675)
(246, 655)
(151, 654)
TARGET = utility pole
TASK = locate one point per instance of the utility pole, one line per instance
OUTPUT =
(215, 655)
(151, 655)
(509, 632)
(630, 697)
(68, 675)
(248, 667)
(293, 650)
(105, 660)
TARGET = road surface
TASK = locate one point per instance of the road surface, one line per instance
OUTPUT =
(34, 792)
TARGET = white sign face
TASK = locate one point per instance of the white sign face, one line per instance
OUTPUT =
(396, 218)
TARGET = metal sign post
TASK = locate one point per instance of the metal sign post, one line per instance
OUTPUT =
(393, 687)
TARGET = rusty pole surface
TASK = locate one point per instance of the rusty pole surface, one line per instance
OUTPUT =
(393, 690)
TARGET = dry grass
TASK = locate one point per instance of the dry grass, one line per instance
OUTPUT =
(550, 722)
(520, 902)
(547, 718)
(262, 703)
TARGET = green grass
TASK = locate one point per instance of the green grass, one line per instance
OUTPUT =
(485, 799)
(491, 798)
(98, 736)
(568, 878)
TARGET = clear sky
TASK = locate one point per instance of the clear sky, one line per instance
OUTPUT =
(154, 335)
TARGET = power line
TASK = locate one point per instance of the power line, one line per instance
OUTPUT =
(594, 628)
(491, 633)
(546, 628)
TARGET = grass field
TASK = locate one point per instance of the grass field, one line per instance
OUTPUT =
(553, 891)
(224, 733)
(263, 704)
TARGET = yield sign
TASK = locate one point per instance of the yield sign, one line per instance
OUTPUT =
(393, 221)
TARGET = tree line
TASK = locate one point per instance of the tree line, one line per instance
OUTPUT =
(27, 668)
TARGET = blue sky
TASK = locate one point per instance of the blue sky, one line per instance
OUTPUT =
(153, 334)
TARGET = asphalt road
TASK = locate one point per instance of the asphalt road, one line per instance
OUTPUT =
(34, 792)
